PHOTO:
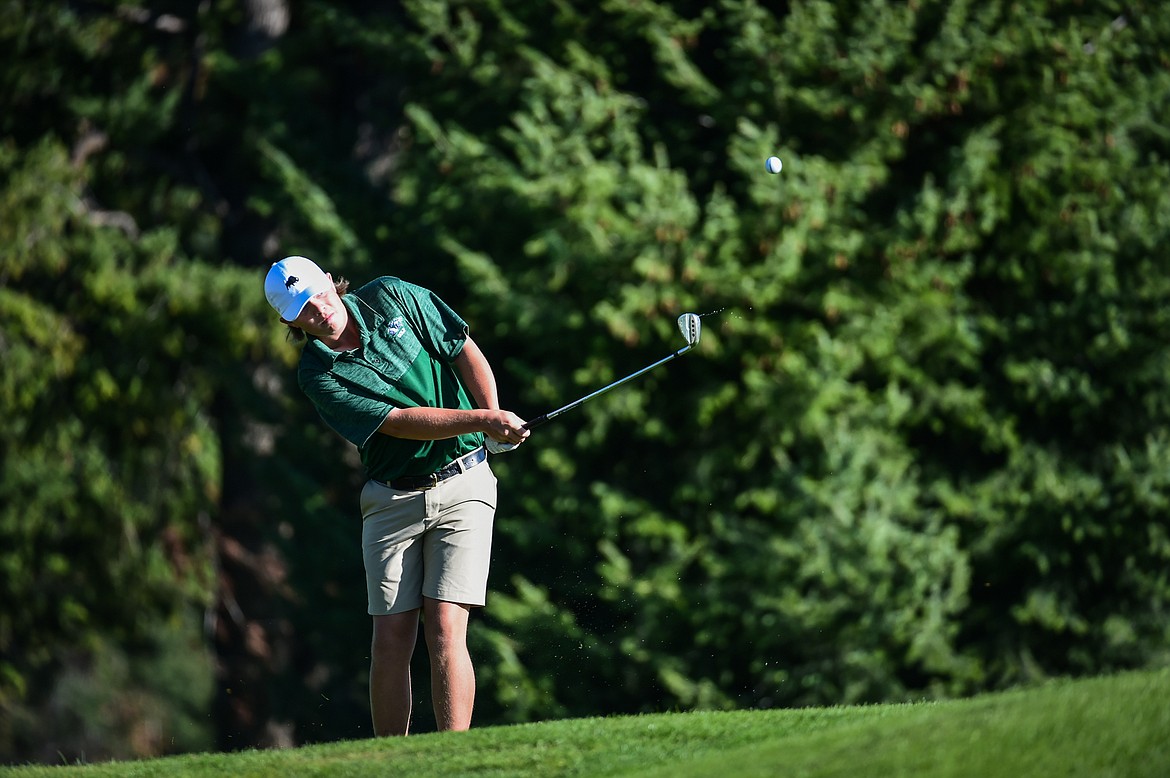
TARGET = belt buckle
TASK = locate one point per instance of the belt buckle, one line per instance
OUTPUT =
(434, 481)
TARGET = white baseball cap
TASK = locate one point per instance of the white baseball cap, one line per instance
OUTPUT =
(290, 284)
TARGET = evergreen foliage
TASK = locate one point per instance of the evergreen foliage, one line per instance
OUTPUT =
(923, 448)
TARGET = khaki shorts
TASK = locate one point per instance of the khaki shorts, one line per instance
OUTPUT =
(435, 543)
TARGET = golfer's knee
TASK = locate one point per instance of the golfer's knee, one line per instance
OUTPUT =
(441, 636)
(446, 630)
(394, 635)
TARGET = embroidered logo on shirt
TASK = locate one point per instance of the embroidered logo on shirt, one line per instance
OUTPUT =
(395, 328)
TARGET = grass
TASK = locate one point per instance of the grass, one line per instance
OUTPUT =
(1109, 726)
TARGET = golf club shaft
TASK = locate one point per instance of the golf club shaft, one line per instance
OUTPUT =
(534, 423)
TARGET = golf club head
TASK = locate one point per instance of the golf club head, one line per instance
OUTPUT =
(690, 327)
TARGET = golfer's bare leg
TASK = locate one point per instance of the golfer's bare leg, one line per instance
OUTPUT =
(452, 674)
(394, 639)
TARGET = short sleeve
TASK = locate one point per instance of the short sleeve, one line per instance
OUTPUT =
(442, 331)
(351, 411)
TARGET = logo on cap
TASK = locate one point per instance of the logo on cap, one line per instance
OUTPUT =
(291, 283)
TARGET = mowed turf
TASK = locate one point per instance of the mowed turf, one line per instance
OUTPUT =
(1110, 726)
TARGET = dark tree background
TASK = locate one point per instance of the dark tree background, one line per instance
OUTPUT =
(922, 450)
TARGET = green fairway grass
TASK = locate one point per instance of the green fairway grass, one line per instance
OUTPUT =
(1112, 726)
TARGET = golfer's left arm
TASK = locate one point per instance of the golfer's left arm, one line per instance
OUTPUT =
(477, 376)
(476, 372)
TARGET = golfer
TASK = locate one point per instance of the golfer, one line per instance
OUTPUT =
(393, 370)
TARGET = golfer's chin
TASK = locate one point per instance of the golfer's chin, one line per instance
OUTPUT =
(326, 330)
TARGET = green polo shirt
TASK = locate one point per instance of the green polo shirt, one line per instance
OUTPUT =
(410, 339)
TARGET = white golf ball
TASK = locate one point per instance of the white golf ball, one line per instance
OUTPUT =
(774, 164)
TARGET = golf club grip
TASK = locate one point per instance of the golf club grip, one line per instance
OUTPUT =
(534, 423)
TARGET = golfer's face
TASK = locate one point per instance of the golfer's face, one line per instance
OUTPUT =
(324, 316)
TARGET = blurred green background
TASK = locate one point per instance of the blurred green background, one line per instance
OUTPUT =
(922, 451)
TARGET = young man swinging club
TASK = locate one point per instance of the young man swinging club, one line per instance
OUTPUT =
(393, 370)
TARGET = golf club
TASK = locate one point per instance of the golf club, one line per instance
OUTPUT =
(690, 327)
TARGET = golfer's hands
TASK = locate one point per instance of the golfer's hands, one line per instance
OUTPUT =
(505, 431)
(496, 447)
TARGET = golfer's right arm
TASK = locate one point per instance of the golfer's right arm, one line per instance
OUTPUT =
(441, 423)
(351, 414)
